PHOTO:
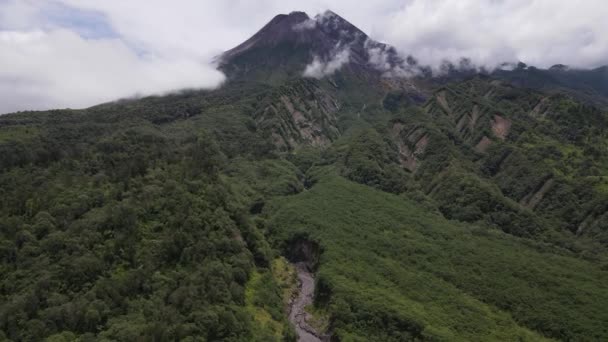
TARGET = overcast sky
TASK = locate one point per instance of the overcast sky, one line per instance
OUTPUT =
(77, 53)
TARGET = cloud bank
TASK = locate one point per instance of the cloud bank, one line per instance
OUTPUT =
(59, 69)
(56, 56)
(76, 53)
(538, 32)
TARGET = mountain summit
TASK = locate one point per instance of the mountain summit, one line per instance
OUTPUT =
(295, 44)
(467, 207)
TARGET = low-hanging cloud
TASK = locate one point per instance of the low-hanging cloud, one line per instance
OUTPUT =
(382, 60)
(488, 33)
(80, 52)
(58, 69)
(537, 32)
(47, 64)
(319, 68)
(308, 24)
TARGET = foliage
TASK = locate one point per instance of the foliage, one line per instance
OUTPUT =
(129, 235)
(163, 218)
(393, 272)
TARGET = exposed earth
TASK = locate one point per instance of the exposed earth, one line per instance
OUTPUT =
(297, 314)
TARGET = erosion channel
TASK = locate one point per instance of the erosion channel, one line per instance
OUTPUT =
(297, 313)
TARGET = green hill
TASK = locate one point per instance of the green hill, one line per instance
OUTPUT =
(471, 207)
(390, 271)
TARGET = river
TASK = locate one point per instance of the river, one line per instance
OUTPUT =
(297, 313)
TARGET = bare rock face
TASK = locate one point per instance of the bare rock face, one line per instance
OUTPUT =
(501, 127)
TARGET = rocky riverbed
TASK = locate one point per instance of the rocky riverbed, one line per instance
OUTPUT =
(297, 313)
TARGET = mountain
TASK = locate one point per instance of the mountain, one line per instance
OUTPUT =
(289, 43)
(590, 86)
(330, 189)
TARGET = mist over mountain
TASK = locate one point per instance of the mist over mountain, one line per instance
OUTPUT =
(296, 45)
(334, 188)
(319, 46)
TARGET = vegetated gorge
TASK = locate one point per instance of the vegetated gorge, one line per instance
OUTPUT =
(370, 202)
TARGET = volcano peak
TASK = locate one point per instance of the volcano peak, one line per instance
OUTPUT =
(290, 43)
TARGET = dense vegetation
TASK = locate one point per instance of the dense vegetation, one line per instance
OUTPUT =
(123, 232)
(476, 213)
(391, 271)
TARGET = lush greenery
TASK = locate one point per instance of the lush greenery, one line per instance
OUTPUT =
(475, 212)
(390, 271)
(130, 230)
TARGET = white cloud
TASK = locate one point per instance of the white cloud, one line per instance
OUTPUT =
(305, 25)
(539, 32)
(319, 68)
(380, 59)
(59, 68)
(159, 46)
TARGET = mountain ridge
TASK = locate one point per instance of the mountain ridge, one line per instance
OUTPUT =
(323, 38)
(295, 45)
(468, 207)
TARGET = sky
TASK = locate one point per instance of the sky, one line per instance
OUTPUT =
(78, 53)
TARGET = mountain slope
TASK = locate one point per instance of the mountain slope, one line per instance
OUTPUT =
(290, 45)
(464, 208)
(384, 257)
(519, 140)
(590, 86)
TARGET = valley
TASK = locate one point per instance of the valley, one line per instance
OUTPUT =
(304, 298)
(375, 202)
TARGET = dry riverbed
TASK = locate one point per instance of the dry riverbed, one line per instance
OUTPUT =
(298, 316)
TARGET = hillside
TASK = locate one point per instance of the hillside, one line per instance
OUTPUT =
(466, 207)
(390, 271)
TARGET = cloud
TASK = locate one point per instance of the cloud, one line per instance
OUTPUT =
(61, 69)
(305, 25)
(539, 32)
(386, 60)
(50, 59)
(319, 69)
(140, 46)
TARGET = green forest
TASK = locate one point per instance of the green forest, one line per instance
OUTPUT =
(466, 207)
(168, 218)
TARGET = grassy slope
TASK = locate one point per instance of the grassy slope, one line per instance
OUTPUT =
(267, 296)
(392, 267)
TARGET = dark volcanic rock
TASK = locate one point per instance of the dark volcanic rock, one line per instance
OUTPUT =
(282, 29)
(288, 43)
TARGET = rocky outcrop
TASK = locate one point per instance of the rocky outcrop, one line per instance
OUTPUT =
(299, 114)
(501, 127)
(301, 249)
